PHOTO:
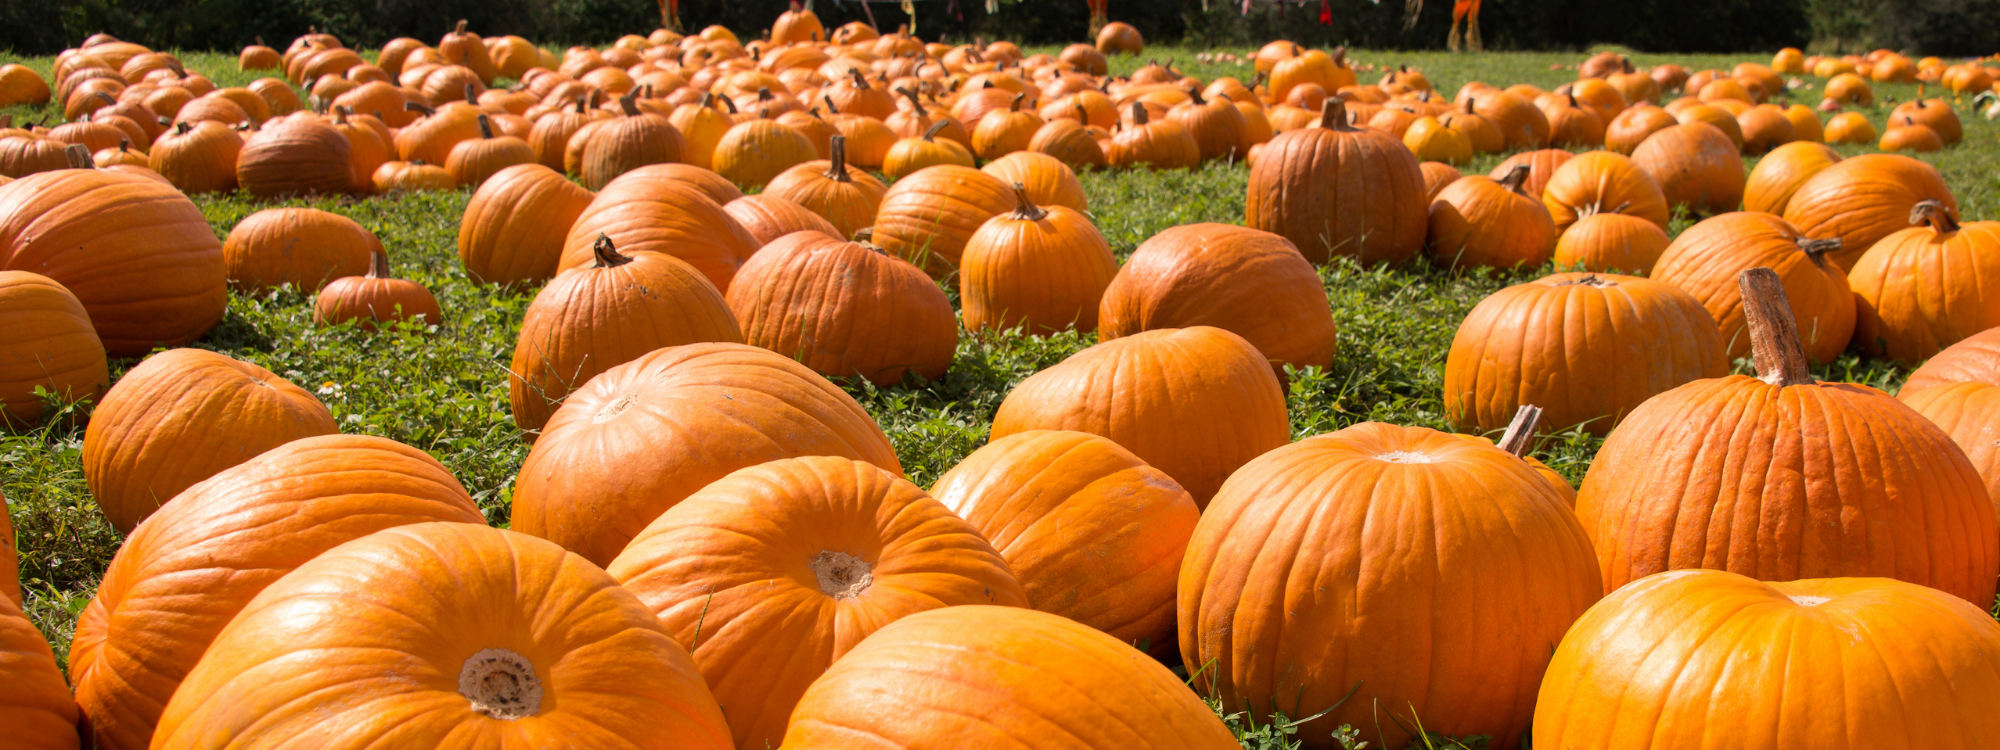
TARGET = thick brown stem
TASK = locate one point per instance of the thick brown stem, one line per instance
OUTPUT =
(915, 106)
(629, 104)
(378, 266)
(79, 156)
(416, 107)
(182, 128)
(459, 30)
(1138, 113)
(1817, 250)
(1194, 95)
(485, 128)
(1016, 105)
(1333, 115)
(606, 255)
(1520, 434)
(1934, 213)
(837, 160)
(860, 81)
(1027, 211)
(730, 103)
(1774, 333)
(829, 104)
(1516, 178)
(1468, 106)
(471, 95)
(931, 132)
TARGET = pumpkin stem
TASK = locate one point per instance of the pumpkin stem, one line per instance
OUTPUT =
(1339, 56)
(1520, 434)
(932, 131)
(416, 107)
(915, 104)
(860, 81)
(1333, 115)
(500, 684)
(471, 95)
(107, 99)
(607, 255)
(1468, 105)
(1621, 207)
(461, 27)
(485, 127)
(1934, 213)
(1138, 113)
(1816, 250)
(378, 266)
(181, 128)
(1016, 105)
(79, 156)
(1572, 100)
(1774, 333)
(837, 160)
(1515, 178)
(124, 145)
(1027, 211)
(579, 102)
(1194, 95)
(829, 104)
(728, 102)
(629, 104)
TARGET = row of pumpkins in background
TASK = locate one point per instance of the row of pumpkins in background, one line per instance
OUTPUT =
(1143, 491)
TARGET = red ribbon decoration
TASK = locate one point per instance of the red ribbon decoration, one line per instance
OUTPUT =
(1325, 13)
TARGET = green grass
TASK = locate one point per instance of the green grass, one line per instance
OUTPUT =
(445, 389)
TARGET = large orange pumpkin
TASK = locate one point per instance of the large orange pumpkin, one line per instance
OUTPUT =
(1863, 199)
(1093, 533)
(1970, 413)
(46, 342)
(845, 309)
(795, 562)
(1686, 658)
(1194, 402)
(1042, 269)
(1598, 182)
(845, 196)
(499, 640)
(1974, 359)
(1925, 288)
(512, 231)
(302, 247)
(182, 416)
(34, 702)
(646, 212)
(1696, 165)
(1781, 477)
(642, 436)
(1780, 173)
(296, 155)
(138, 254)
(1333, 189)
(1359, 564)
(180, 578)
(767, 217)
(927, 217)
(1251, 283)
(1706, 259)
(1479, 221)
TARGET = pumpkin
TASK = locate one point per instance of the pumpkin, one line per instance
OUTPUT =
(431, 137)
(1678, 659)
(1780, 173)
(1039, 268)
(1542, 166)
(1524, 125)
(1048, 180)
(1706, 259)
(1071, 142)
(644, 211)
(797, 25)
(767, 217)
(1863, 199)
(755, 151)
(137, 253)
(1519, 438)
(1965, 411)
(592, 318)
(20, 84)
(1249, 282)
(847, 197)
(1921, 289)
(1610, 240)
(1719, 117)
(29, 153)
(1484, 136)
(1601, 181)
(473, 160)
(375, 298)
(1695, 165)
(684, 417)
(1294, 192)
(295, 155)
(1974, 359)
(1437, 175)
(512, 231)
(715, 186)
(1850, 128)
(1572, 124)
(1765, 127)
(1194, 402)
(799, 560)
(1850, 89)
(1935, 114)
(521, 644)
(1822, 480)
(303, 247)
(986, 676)
(633, 140)
(1093, 533)
(845, 309)
(550, 136)
(1907, 135)
(1005, 131)
(1217, 126)
(226, 539)
(918, 120)
(927, 217)
(367, 149)
(912, 154)
(1805, 124)
(1482, 222)
(35, 702)
(412, 176)
(1588, 348)
(1431, 140)
(1154, 144)
(1119, 37)
(1365, 556)
(46, 342)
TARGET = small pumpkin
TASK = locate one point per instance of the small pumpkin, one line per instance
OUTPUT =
(1611, 240)
(512, 231)
(305, 248)
(847, 197)
(1908, 135)
(1477, 221)
(375, 298)
(1251, 283)
(1765, 127)
(1631, 127)
(1070, 141)
(1922, 289)
(1043, 269)
(1437, 175)
(1863, 199)
(1383, 222)
(912, 154)
(412, 177)
(1850, 128)
(845, 309)
(46, 342)
(927, 217)
(1780, 173)
(1006, 131)
(1935, 114)
(1432, 140)
(1154, 144)
(1706, 259)
(1599, 181)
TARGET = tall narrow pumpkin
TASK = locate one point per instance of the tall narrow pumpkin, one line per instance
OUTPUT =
(845, 309)
(1706, 259)
(512, 231)
(46, 342)
(1251, 283)
(1359, 565)
(1333, 189)
(1781, 477)
(1039, 268)
(847, 197)
(1863, 199)
(795, 562)
(1925, 288)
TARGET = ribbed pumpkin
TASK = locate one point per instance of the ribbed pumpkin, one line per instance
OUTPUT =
(1154, 144)
(1249, 282)
(1005, 131)
(797, 561)
(925, 150)
(767, 217)
(473, 160)
(1093, 533)
(137, 253)
(622, 144)
(1631, 127)
(1477, 221)
(844, 309)
(985, 676)
(1042, 269)
(682, 417)
(46, 342)
(1195, 402)
(304, 247)
(1542, 166)
(178, 580)
(1601, 181)
(1791, 478)
(512, 231)
(198, 157)
(1681, 659)
(375, 298)
(293, 156)
(715, 186)
(847, 197)
(927, 217)
(1366, 556)
(503, 640)
(1072, 142)
(1924, 288)
(596, 317)
(1431, 140)
(1338, 190)
(644, 212)
(1571, 123)
(1437, 175)
(755, 151)
(1695, 165)
(1611, 241)
(1048, 180)
(34, 701)
(1217, 126)
(1935, 114)
(1780, 173)
(1974, 359)
(1864, 198)
(1706, 259)
(1968, 411)
(1587, 348)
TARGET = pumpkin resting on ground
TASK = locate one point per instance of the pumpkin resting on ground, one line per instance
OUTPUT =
(46, 342)
(375, 298)
(1333, 189)
(1251, 283)
(1707, 258)
(1927, 287)
(34, 701)
(844, 309)
(1043, 269)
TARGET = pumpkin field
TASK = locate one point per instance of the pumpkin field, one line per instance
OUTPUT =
(833, 389)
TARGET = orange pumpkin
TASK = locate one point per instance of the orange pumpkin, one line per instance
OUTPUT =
(1154, 144)
(1437, 175)
(1780, 173)
(1765, 127)
(1966, 410)
(1850, 128)
(1863, 199)
(305, 248)
(35, 701)
(1048, 180)
(1935, 114)
(1974, 359)
(1821, 479)
(1571, 123)
(512, 231)
(1907, 135)
(1696, 165)
(1631, 127)
(625, 143)
(1922, 289)
(798, 560)
(640, 437)
(505, 638)
(197, 158)
(1611, 241)
(1478, 221)
(1194, 402)
(755, 151)
(650, 210)
(1217, 125)
(847, 197)
(1357, 565)
(927, 217)
(1293, 192)
(412, 177)
(375, 298)
(1005, 131)
(767, 217)
(1600, 181)
(845, 309)
(1039, 268)
(226, 539)
(1678, 659)
(925, 150)
(1251, 283)
(1706, 259)
(1542, 166)
(293, 156)
(46, 342)
(473, 160)
(1805, 123)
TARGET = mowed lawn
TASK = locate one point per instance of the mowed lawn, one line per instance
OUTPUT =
(444, 390)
